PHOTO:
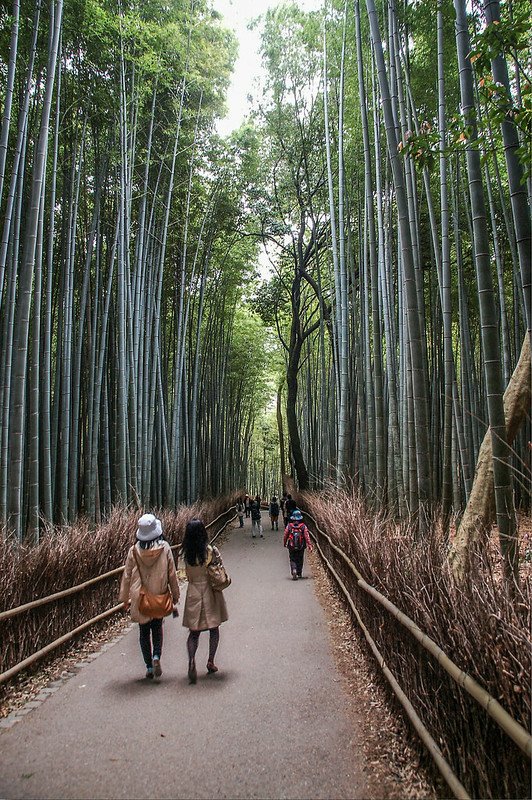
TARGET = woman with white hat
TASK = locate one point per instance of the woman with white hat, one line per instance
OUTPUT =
(150, 565)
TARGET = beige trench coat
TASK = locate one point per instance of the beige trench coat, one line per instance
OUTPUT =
(204, 608)
(158, 574)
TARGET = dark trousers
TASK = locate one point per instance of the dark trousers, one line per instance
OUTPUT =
(296, 561)
(241, 520)
(149, 632)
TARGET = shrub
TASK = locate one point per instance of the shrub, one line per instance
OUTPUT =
(477, 625)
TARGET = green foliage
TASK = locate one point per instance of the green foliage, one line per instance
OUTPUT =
(507, 38)
(270, 300)
(420, 49)
(422, 147)
(247, 356)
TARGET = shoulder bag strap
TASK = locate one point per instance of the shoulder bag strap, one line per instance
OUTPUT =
(137, 561)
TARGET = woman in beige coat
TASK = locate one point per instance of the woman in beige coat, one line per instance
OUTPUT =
(152, 555)
(204, 608)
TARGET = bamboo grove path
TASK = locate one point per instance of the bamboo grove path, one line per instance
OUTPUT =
(273, 723)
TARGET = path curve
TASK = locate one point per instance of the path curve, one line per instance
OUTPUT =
(273, 723)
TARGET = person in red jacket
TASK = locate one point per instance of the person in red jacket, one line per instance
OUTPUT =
(297, 540)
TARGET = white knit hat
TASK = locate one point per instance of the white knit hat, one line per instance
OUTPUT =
(149, 528)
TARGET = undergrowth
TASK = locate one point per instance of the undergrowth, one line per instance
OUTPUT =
(476, 624)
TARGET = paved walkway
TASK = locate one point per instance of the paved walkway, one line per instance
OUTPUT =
(273, 723)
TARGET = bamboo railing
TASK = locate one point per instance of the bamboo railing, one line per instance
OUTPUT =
(13, 612)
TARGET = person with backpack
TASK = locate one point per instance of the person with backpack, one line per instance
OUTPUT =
(274, 513)
(256, 526)
(297, 540)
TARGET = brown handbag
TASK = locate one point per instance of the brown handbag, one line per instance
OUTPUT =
(216, 575)
(154, 606)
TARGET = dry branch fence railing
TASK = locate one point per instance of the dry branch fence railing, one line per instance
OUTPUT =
(493, 708)
(75, 590)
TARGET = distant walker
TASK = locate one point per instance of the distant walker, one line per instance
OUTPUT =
(297, 540)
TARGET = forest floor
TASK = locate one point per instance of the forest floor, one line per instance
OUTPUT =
(354, 747)
(392, 765)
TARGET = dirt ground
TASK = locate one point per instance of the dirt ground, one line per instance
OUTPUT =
(392, 765)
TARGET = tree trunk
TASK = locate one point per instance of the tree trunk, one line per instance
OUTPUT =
(413, 315)
(282, 449)
(518, 198)
(8, 101)
(291, 419)
(445, 280)
(26, 276)
(480, 510)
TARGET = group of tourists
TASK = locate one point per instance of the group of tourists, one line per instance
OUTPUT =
(296, 536)
(150, 589)
(251, 507)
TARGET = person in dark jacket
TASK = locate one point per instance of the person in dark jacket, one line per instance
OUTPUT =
(240, 510)
(297, 540)
(274, 513)
(289, 507)
(247, 505)
(256, 526)
(282, 503)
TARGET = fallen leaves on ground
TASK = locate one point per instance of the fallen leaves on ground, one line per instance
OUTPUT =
(392, 767)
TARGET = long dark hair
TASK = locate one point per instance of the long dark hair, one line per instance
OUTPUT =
(195, 542)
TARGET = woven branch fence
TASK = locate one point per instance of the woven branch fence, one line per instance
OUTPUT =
(481, 645)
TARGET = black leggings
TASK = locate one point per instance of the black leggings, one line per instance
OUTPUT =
(193, 641)
(296, 561)
(151, 631)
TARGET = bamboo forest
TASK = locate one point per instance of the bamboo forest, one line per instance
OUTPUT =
(384, 170)
(332, 299)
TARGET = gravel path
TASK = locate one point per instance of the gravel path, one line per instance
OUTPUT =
(273, 723)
